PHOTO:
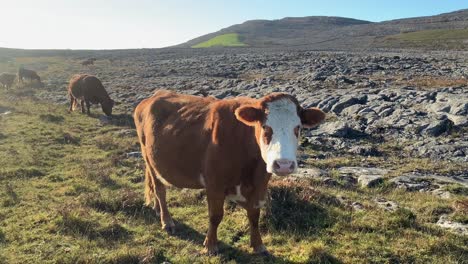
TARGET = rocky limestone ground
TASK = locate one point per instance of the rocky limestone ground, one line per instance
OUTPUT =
(416, 101)
(392, 118)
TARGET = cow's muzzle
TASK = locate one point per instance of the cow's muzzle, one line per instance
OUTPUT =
(283, 167)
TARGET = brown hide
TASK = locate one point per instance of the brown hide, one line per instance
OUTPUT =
(199, 142)
(89, 89)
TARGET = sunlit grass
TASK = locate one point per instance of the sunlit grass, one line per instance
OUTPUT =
(225, 40)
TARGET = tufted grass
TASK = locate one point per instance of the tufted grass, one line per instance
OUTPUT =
(69, 194)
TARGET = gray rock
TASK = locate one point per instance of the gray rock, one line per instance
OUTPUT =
(362, 171)
(411, 183)
(336, 129)
(386, 204)
(126, 133)
(310, 173)
(458, 120)
(135, 154)
(370, 181)
(357, 206)
(437, 128)
(455, 227)
(348, 100)
(365, 150)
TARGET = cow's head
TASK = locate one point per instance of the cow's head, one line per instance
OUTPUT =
(278, 119)
(107, 106)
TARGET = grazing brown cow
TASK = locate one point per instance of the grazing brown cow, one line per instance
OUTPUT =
(89, 61)
(27, 74)
(7, 79)
(229, 147)
(89, 89)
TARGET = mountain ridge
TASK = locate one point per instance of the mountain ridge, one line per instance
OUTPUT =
(342, 33)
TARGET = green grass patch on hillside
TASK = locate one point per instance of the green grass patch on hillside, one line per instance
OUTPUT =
(225, 40)
(69, 194)
(436, 38)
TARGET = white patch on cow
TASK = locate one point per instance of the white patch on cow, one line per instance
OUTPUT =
(202, 180)
(260, 204)
(238, 197)
(282, 118)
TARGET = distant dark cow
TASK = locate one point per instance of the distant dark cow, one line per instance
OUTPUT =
(89, 61)
(7, 79)
(229, 147)
(89, 89)
(27, 74)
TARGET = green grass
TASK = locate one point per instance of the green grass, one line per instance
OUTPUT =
(437, 38)
(69, 194)
(225, 40)
(434, 35)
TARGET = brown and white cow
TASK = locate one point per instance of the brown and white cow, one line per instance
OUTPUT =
(229, 147)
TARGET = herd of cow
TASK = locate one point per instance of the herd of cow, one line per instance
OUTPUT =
(7, 79)
(229, 147)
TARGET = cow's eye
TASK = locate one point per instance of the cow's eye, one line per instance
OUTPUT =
(296, 130)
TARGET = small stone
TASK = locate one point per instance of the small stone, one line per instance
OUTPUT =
(330, 181)
(386, 204)
(357, 206)
(135, 154)
(370, 181)
(455, 227)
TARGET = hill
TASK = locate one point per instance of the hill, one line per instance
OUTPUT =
(338, 33)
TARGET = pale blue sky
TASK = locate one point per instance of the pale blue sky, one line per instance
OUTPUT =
(106, 24)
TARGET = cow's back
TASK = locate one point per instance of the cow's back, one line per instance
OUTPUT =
(173, 131)
(7, 78)
(88, 87)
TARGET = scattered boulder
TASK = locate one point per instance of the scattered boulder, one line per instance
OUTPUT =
(455, 227)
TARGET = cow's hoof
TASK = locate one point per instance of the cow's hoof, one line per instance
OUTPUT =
(211, 251)
(170, 229)
(262, 251)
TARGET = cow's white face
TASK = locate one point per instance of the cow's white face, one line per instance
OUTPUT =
(280, 132)
(277, 120)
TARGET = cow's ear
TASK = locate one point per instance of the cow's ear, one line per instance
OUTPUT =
(249, 115)
(311, 117)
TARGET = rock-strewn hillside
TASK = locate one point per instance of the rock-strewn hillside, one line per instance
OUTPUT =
(412, 104)
(337, 33)
(391, 159)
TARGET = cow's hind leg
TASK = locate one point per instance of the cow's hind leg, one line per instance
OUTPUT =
(150, 192)
(166, 219)
(82, 106)
(88, 105)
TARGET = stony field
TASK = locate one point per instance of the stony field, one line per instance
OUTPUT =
(383, 180)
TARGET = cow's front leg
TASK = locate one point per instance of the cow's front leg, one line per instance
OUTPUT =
(82, 102)
(88, 105)
(255, 239)
(215, 211)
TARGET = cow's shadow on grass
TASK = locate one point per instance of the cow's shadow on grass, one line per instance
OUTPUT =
(297, 211)
(121, 120)
(226, 252)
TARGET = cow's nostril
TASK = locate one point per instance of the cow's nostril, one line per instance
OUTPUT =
(293, 166)
(276, 165)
